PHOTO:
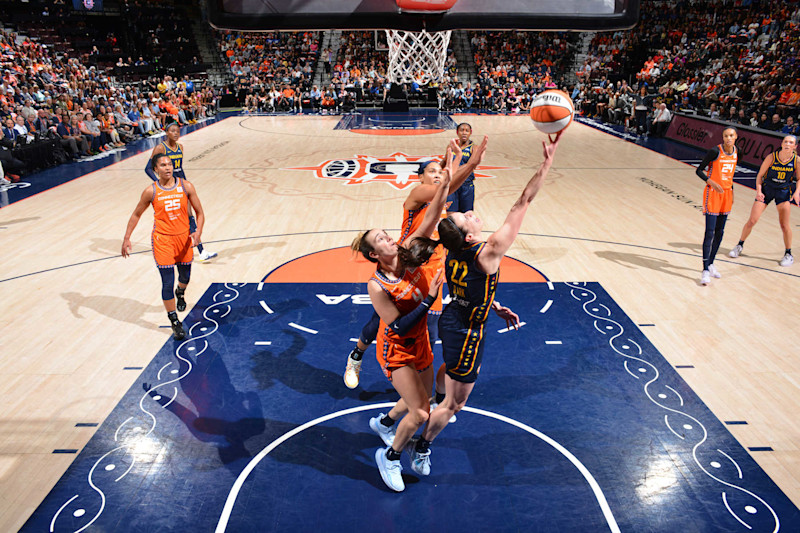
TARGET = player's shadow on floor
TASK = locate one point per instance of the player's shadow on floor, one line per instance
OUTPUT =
(232, 423)
(112, 246)
(18, 221)
(227, 254)
(270, 367)
(642, 261)
(115, 307)
(695, 247)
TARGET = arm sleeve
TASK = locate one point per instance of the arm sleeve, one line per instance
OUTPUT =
(711, 155)
(149, 171)
(403, 324)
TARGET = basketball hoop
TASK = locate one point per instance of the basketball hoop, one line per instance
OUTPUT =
(418, 56)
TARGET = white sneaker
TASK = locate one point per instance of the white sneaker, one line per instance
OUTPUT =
(705, 277)
(714, 272)
(787, 260)
(390, 470)
(206, 255)
(736, 251)
(351, 372)
(386, 434)
(420, 462)
(433, 406)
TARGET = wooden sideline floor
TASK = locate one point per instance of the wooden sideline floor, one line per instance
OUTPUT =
(76, 314)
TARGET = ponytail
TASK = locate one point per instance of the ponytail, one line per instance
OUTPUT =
(450, 235)
(418, 252)
(360, 245)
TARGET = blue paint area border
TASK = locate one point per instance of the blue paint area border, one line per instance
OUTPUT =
(169, 454)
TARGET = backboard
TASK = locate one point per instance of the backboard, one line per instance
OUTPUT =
(287, 15)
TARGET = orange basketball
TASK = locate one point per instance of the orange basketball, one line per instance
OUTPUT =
(552, 111)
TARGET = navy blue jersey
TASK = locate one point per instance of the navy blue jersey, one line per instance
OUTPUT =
(471, 289)
(176, 156)
(466, 153)
(781, 174)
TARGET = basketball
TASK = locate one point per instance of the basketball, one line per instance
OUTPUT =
(552, 111)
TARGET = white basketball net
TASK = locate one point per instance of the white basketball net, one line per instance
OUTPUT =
(417, 56)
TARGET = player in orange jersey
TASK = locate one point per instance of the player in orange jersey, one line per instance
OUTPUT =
(414, 208)
(171, 238)
(402, 291)
(174, 151)
(717, 198)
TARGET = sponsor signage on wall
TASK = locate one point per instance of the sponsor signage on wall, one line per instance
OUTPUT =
(754, 145)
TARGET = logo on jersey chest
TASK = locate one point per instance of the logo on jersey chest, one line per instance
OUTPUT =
(399, 170)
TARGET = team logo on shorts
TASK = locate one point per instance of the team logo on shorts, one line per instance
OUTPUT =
(398, 170)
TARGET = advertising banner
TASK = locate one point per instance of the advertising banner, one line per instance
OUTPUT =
(754, 144)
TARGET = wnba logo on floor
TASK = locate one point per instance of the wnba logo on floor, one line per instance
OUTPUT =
(399, 170)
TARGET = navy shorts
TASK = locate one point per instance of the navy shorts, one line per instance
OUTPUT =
(463, 199)
(778, 193)
(462, 344)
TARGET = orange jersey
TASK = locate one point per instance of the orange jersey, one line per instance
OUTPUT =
(412, 220)
(394, 351)
(723, 168)
(170, 209)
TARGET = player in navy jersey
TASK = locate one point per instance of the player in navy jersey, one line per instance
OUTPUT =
(174, 150)
(472, 268)
(463, 199)
(777, 180)
(414, 208)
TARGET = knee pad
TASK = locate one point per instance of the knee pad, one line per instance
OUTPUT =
(184, 273)
(167, 282)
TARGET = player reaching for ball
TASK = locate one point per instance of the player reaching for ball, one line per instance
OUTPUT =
(472, 268)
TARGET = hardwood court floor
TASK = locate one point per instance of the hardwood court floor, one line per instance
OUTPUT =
(77, 314)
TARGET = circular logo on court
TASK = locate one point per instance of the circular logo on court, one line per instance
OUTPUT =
(398, 169)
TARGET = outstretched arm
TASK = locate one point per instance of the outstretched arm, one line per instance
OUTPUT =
(422, 194)
(144, 201)
(500, 241)
(434, 211)
(465, 170)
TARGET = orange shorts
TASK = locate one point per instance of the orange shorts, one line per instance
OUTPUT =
(170, 250)
(394, 352)
(715, 203)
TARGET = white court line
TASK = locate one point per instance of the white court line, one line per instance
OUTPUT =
(739, 470)
(511, 328)
(263, 343)
(53, 521)
(237, 485)
(265, 306)
(546, 306)
(725, 501)
(261, 285)
(353, 339)
(550, 285)
(552, 342)
(302, 328)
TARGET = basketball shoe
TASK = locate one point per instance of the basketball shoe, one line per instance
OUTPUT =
(390, 470)
(385, 433)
